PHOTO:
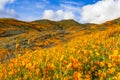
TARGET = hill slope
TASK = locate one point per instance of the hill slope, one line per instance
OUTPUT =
(92, 54)
(59, 25)
(9, 27)
(17, 36)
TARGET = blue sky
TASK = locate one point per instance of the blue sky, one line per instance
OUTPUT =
(29, 10)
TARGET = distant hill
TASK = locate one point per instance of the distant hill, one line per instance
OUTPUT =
(11, 27)
(56, 25)
(108, 24)
(68, 23)
(45, 24)
(65, 23)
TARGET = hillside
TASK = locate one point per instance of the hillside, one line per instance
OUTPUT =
(58, 25)
(17, 36)
(11, 27)
(63, 50)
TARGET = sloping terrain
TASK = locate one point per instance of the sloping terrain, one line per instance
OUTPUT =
(93, 53)
(11, 27)
(58, 25)
(17, 36)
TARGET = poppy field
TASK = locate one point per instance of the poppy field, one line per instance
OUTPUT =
(92, 56)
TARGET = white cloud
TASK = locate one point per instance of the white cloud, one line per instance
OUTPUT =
(101, 11)
(7, 12)
(68, 15)
(58, 15)
(4, 2)
(48, 14)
